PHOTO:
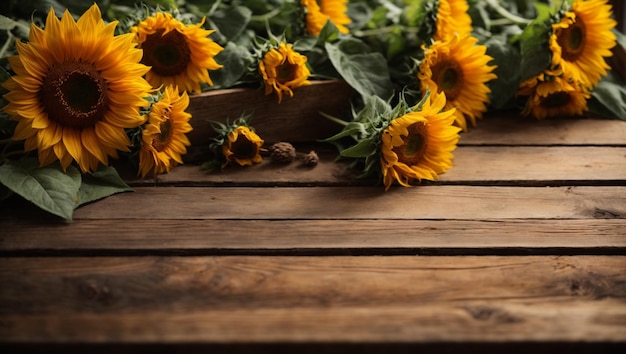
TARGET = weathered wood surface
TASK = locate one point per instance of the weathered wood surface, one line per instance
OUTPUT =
(312, 299)
(521, 246)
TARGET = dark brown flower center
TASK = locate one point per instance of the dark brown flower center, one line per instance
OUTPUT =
(557, 99)
(162, 140)
(243, 148)
(449, 78)
(167, 54)
(285, 72)
(572, 40)
(74, 94)
(415, 144)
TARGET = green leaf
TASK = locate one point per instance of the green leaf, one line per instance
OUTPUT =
(363, 148)
(608, 99)
(507, 59)
(100, 184)
(231, 21)
(329, 33)
(535, 49)
(235, 61)
(48, 187)
(367, 73)
(7, 23)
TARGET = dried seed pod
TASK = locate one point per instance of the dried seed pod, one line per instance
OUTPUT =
(310, 159)
(282, 152)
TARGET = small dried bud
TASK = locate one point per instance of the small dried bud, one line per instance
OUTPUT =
(310, 159)
(282, 152)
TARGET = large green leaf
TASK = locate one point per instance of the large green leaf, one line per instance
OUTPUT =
(366, 72)
(100, 184)
(231, 21)
(235, 60)
(48, 187)
(609, 98)
(535, 49)
(507, 60)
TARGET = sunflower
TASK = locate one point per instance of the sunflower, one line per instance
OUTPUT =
(179, 55)
(452, 18)
(419, 144)
(284, 69)
(553, 96)
(459, 68)
(76, 88)
(163, 137)
(318, 12)
(242, 146)
(582, 39)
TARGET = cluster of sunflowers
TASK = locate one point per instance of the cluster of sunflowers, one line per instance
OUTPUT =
(117, 80)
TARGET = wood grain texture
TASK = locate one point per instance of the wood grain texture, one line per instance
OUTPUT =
(294, 119)
(312, 299)
(509, 128)
(384, 236)
(360, 203)
(482, 164)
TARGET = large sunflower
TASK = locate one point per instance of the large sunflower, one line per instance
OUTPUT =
(178, 54)
(550, 96)
(419, 145)
(459, 68)
(283, 70)
(318, 12)
(163, 137)
(76, 88)
(452, 18)
(242, 146)
(582, 39)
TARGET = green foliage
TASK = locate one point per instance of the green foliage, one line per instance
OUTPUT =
(366, 72)
(48, 187)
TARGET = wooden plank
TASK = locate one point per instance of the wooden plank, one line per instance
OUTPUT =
(383, 236)
(354, 203)
(294, 119)
(313, 299)
(509, 128)
(527, 164)
(554, 163)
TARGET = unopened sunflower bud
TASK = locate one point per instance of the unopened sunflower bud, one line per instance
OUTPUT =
(282, 152)
(310, 159)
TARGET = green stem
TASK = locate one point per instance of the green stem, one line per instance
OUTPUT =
(384, 30)
(265, 17)
(495, 5)
(5, 47)
(334, 119)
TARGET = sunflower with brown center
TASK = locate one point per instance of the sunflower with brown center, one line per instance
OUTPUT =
(283, 70)
(458, 67)
(419, 144)
(582, 39)
(163, 137)
(318, 12)
(453, 19)
(179, 55)
(553, 96)
(76, 88)
(242, 146)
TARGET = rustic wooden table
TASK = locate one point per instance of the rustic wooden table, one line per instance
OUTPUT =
(520, 246)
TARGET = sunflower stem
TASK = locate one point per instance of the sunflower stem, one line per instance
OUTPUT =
(5, 46)
(495, 5)
(334, 119)
(266, 16)
(384, 30)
